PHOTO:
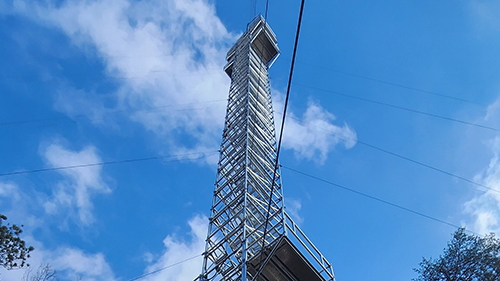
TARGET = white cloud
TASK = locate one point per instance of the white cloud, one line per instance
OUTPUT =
(485, 208)
(69, 263)
(75, 263)
(493, 112)
(172, 51)
(74, 194)
(314, 135)
(78, 103)
(19, 205)
(293, 207)
(72, 263)
(486, 13)
(178, 250)
(9, 190)
(70, 196)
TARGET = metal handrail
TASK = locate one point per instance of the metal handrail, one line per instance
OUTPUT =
(325, 265)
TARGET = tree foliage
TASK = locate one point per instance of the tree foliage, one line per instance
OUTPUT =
(13, 250)
(44, 273)
(467, 258)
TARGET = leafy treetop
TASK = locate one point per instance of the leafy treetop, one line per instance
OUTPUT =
(13, 250)
(467, 258)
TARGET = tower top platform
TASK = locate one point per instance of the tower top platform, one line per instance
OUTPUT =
(263, 42)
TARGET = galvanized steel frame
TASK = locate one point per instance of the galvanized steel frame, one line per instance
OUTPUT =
(246, 166)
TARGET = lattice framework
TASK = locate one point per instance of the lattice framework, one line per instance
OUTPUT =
(246, 167)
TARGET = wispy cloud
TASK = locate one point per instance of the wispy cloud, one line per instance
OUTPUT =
(73, 194)
(164, 53)
(493, 112)
(72, 199)
(293, 207)
(485, 208)
(70, 264)
(313, 135)
(75, 263)
(179, 249)
(10, 191)
(168, 53)
(485, 13)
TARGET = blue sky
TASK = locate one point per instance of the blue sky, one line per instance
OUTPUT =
(97, 81)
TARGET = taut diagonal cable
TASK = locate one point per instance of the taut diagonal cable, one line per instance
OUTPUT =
(282, 127)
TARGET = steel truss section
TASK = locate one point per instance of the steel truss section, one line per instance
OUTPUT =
(246, 167)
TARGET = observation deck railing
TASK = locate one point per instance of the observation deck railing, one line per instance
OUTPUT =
(319, 262)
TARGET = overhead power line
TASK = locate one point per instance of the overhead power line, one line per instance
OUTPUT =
(267, 8)
(147, 110)
(375, 198)
(400, 107)
(210, 71)
(393, 84)
(282, 126)
(163, 268)
(203, 155)
(207, 154)
(344, 138)
(387, 82)
(429, 166)
(101, 55)
(299, 120)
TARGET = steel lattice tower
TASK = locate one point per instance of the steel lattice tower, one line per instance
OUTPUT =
(239, 215)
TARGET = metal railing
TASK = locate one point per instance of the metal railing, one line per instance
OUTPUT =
(322, 265)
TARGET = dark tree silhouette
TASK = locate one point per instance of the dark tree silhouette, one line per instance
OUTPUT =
(13, 250)
(467, 258)
(44, 273)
